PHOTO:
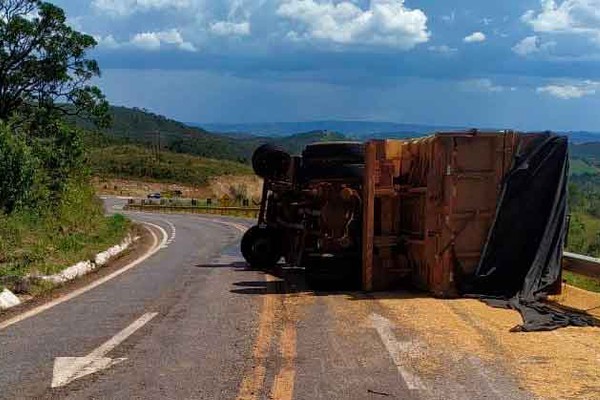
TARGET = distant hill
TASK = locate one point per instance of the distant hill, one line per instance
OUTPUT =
(587, 151)
(355, 129)
(361, 129)
(142, 128)
(145, 129)
(583, 137)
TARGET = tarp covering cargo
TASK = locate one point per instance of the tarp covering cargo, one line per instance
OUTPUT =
(521, 261)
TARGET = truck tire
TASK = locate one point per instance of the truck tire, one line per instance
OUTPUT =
(335, 152)
(271, 162)
(261, 247)
(347, 172)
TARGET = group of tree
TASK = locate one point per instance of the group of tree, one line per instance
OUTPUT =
(45, 76)
(584, 204)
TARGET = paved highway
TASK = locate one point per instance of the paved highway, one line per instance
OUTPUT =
(191, 322)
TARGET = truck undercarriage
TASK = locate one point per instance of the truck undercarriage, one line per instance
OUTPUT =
(311, 211)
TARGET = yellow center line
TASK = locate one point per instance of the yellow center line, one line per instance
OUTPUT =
(283, 385)
(253, 382)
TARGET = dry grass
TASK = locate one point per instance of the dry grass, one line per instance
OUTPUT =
(217, 187)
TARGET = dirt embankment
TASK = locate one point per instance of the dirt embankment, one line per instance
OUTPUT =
(245, 186)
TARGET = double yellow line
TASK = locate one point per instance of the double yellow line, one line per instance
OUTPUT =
(274, 309)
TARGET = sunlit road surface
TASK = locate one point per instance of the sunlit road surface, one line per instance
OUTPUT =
(192, 322)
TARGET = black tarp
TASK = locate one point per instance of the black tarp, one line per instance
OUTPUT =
(521, 261)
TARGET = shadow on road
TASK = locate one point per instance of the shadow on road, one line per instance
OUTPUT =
(293, 280)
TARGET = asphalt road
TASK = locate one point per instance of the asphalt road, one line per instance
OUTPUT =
(192, 322)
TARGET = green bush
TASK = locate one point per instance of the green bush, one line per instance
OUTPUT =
(17, 170)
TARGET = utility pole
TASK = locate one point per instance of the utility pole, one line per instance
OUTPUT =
(157, 145)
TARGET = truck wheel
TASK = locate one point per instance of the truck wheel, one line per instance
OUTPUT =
(347, 172)
(261, 247)
(271, 162)
(335, 152)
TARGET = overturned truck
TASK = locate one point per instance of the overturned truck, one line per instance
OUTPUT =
(454, 213)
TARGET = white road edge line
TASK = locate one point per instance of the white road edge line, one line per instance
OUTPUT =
(395, 348)
(156, 246)
(68, 369)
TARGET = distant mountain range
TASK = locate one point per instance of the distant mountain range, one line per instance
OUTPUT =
(133, 126)
(236, 142)
(355, 129)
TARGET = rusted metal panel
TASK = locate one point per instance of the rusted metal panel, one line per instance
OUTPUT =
(437, 196)
(368, 215)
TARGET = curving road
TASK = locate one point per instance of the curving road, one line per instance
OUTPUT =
(191, 322)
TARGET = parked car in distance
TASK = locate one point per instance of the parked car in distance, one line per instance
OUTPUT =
(154, 196)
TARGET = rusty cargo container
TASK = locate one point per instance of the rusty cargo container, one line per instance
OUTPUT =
(428, 207)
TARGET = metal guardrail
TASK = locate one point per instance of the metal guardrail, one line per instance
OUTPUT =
(248, 212)
(582, 265)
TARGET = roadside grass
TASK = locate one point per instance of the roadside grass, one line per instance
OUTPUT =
(584, 234)
(582, 167)
(39, 246)
(582, 282)
(45, 243)
(134, 162)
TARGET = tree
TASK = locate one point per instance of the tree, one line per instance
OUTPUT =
(44, 72)
(17, 169)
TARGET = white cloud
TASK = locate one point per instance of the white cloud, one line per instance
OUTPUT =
(108, 42)
(442, 49)
(155, 40)
(570, 90)
(485, 85)
(580, 17)
(384, 23)
(475, 37)
(123, 8)
(225, 28)
(532, 45)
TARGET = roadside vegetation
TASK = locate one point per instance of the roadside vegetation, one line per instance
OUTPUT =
(582, 282)
(134, 162)
(49, 215)
(584, 202)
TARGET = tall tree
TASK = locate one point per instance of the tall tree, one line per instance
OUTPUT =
(44, 69)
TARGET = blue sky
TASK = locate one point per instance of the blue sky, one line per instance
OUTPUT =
(524, 64)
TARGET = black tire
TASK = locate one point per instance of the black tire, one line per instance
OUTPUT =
(271, 162)
(346, 172)
(261, 247)
(335, 152)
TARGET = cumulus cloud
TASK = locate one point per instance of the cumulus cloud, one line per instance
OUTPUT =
(148, 41)
(385, 22)
(532, 45)
(475, 37)
(127, 7)
(485, 85)
(580, 17)
(155, 40)
(570, 90)
(108, 42)
(226, 28)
